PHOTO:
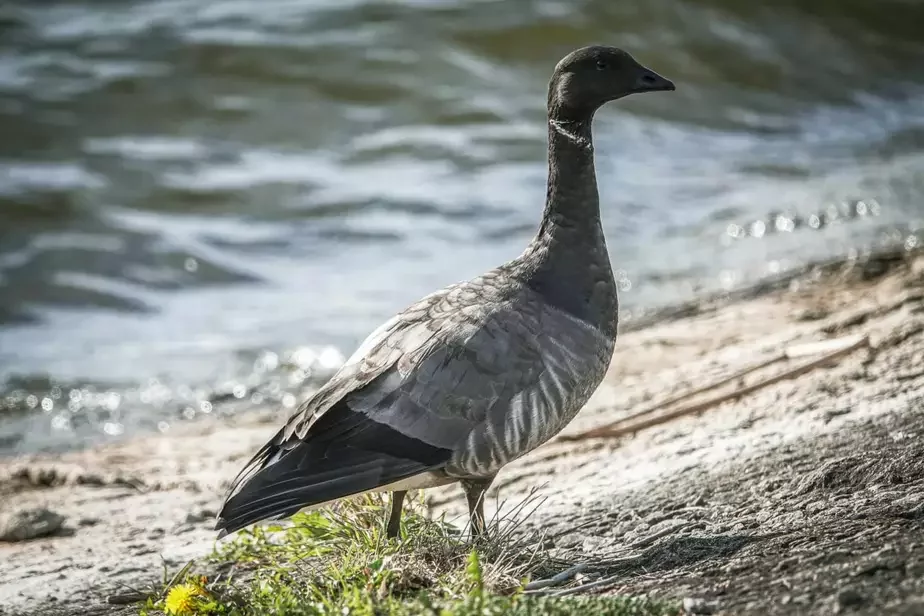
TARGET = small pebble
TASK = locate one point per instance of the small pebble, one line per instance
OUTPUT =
(847, 599)
(199, 515)
(126, 598)
(696, 605)
(87, 479)
(28, 524)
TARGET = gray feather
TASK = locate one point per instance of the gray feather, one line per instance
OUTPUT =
(488, 371)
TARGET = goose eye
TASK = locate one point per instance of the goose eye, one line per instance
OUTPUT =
(601, 64)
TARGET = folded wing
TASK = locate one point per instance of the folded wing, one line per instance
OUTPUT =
(459, 382)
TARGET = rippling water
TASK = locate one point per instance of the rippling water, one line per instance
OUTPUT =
(204, 204)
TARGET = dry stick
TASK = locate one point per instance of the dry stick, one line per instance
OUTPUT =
(824, 346)
(607, 581)
(612, 430)
(672, 401)
(860, 316)
(557, 579)
(618, 562)
(791, 352)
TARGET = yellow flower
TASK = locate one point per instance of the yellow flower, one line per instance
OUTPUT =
(182, 599)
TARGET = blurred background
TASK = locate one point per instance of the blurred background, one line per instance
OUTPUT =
(206, 204)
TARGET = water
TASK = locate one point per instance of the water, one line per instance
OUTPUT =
(204, 204)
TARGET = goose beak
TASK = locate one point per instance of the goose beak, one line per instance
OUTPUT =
(650, 81)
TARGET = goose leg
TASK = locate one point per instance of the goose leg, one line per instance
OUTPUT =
(475, 489)
(393, 528)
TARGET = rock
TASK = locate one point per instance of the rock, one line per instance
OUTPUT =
(876, 566)
(699, 501)
(87, 479)
(696, 605)
(28, 524)
(816, 313)
(127, 598)
(199, 515)
(915, 568)
(155, 533)
(41, 476)
(847, 599)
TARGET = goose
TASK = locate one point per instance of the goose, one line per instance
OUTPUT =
(479, 373)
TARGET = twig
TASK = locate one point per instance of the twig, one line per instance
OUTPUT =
(557, 579)
(843, 347)
(681, 397)
(617, 562)
(909, 376)
(590, 585)
(824, 346)
(861, 316)
(672, 401)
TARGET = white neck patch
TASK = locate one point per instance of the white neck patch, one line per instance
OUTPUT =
(570, 135)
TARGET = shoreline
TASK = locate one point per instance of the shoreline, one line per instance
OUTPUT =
(125, 505)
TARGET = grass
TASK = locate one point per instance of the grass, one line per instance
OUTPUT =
(338, 561)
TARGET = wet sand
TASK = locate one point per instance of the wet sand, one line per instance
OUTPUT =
(803, 496)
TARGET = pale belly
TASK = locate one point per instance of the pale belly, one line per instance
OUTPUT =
(538, 412)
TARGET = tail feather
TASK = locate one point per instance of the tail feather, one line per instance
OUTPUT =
(345, 453)
(283, 488)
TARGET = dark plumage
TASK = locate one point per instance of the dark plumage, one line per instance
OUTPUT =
(477, 374)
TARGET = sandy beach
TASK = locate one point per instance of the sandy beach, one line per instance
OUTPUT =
(797, 486)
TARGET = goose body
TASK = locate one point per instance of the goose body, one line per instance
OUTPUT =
(479, 373)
